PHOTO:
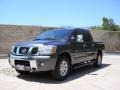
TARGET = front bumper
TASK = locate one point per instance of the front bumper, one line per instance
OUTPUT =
(32, 63)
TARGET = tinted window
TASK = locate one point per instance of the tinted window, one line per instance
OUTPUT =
(87, 36)
(75, 34)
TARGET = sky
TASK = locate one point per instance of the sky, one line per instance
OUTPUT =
(78, 13)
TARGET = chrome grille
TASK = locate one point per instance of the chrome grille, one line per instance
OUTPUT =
(15, 50)
(34, 50)
(25, 50)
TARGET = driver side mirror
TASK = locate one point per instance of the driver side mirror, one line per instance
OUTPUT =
(79, 38)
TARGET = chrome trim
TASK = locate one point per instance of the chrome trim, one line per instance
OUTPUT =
(30, 50)
(17, 52)
(43, 57)
(29, 57)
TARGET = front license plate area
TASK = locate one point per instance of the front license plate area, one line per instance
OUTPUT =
(20, 67)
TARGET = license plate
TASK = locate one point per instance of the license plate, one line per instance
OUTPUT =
(20, 67)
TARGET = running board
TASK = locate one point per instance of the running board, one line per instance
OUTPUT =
(78, 65)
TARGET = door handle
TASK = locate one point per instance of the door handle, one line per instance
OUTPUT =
(84, 45)
(93, 44)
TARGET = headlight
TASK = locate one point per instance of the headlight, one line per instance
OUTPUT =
(47, 50)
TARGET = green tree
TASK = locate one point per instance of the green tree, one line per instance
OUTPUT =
(113, 26)
(109, 24)
(105, 25)
(96, 28)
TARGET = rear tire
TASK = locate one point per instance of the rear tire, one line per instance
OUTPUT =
(98, 61)
(22, 72)
(62, 68)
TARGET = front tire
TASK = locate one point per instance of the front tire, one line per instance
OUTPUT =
(62, 68)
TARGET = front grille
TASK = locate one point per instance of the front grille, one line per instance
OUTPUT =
(23, 50)
(19, 62)
(15, 50)
(34, 50)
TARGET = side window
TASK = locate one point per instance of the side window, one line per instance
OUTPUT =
(77, 35)
(87, 36)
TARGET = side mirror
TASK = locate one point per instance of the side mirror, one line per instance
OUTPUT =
(79, 38)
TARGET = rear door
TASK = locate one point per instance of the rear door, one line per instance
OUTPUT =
(88, 45)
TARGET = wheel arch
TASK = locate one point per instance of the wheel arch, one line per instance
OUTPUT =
(65, 54)
(55, 73)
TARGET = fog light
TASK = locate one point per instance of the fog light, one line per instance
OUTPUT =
(42, 64)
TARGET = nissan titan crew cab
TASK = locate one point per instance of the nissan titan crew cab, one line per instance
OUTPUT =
(58, 51)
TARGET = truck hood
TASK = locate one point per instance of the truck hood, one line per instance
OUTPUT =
(38, 43)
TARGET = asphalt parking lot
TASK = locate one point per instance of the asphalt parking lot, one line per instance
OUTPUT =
(106, 77)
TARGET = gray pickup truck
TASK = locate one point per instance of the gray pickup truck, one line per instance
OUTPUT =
(58, 51)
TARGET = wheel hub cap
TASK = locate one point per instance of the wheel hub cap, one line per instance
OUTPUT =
(63, 68)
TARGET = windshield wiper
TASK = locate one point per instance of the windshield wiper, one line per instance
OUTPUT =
(49, 39)
(37, 39)
(45, 39)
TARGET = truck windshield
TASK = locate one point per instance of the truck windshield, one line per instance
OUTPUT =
(61, 35)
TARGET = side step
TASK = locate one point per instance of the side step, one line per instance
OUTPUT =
(78, 65)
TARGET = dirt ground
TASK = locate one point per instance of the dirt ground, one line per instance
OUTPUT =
(106, 77)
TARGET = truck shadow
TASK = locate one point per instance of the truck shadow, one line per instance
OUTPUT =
(45, 77)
